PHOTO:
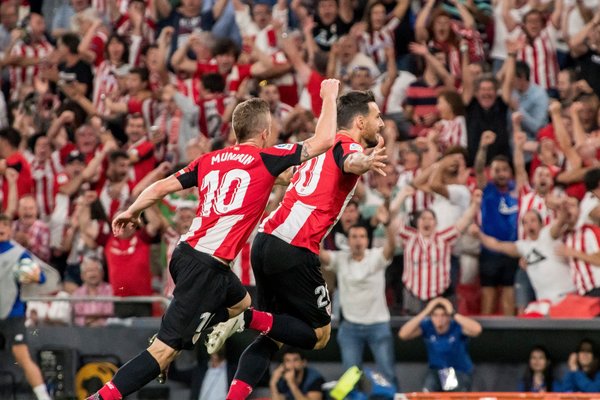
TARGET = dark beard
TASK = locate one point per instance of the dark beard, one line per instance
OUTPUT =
(371, 142)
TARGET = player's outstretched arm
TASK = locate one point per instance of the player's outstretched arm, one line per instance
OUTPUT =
(147, 198)
(324, 136)
(359, 163)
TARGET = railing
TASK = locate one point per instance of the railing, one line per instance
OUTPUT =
(112, 299)
(497, 396)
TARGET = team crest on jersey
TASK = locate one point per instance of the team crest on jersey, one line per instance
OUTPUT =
(285, 146)
(356, 147)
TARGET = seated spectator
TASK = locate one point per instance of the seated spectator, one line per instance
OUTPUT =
(538, 376)
(583, 375)
(92, 313)
(446, 335)
(293, 379)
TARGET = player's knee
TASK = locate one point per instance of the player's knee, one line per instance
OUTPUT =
(323, 335)
(162, 353)
(240, 307)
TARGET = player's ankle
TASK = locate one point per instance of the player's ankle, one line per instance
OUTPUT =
(110, 392)
(239, 390)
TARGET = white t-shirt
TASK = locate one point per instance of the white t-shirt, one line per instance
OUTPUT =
(501, 32)
(361, 285)
(397, 93)
(586, 206)
(449, 210)
(549, 274)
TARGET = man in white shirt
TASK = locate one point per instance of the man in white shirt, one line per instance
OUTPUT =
(590, 204)
(549, 273)
(365, 315)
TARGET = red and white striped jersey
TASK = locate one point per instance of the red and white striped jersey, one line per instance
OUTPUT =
(418, 201)
(540, 55)
(427, 261)
(124, 27)
(105, 83)
(97, 46)
(373, 44)
(211, 116)
(286, 83)
(20, 76)
(531, 200)
(242, 266)
(190, 88)
(453, 133)
(44, 176)
(148, 107)
(234, 187)
(316, 197)
(587, 240)
(233, 79)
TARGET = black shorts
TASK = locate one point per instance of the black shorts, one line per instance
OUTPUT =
(289, 281)
(203, 285)
(13, 332)
(497, 269)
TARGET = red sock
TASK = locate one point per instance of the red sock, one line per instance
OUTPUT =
(110, 392)
(239, 390)
(261, 321)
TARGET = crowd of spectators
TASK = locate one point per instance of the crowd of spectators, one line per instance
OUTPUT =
(491, 114)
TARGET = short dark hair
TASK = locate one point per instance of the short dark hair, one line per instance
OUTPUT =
(536, 213)
(487, 77)
(117, 154)
(214, 83)
(358, 226)
(71, 41)
(142, 72)
(250, 118)
(352, 104)
(592, 179)
(226, 46)
(11, 135)
(454, 100)
(439, 307)
(5, 219)
(135, 115)
(292, 350)
(31, 142)
(457, 150)
(121, 39)
(522, 70)
(503, 158)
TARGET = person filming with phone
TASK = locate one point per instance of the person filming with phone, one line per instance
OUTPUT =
(446, 334)
(294, 380)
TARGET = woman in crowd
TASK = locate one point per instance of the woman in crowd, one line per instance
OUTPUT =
(538, 376)
(583, 375)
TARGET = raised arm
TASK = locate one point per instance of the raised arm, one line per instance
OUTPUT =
(508, 248)
(562, 136)
(295, 58)
(519, 140)
(578, 129)
(147, 198)
(509, 69)
(391, 72)
(389, 248)
(465, 14)
(180, 60)
(346, 12)
(359, 163)
(438, 67)
(325, 130)
(467, 218)
(509, 21)
(577, 44)
(421, 34)
(412, 328)
(11, 176)
(487, 139)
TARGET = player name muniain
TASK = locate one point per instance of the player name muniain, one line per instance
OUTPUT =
(242, 158)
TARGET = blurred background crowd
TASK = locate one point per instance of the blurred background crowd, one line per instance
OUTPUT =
(491, 114)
